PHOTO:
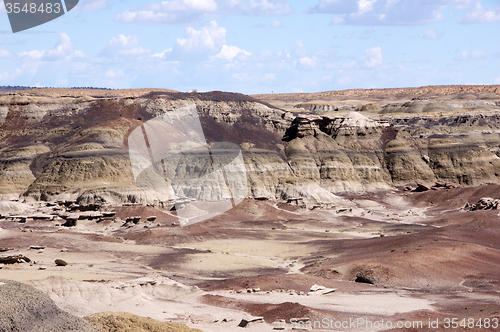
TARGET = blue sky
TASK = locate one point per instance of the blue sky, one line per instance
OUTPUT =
(258, 46)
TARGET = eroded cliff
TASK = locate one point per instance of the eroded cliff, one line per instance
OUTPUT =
(76, 147)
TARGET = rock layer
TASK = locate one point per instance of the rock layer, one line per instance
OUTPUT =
(76, 148)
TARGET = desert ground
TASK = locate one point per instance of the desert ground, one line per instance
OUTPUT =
(416, 243)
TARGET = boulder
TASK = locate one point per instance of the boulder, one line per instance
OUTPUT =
(251, 322)
(422, 187)
(14, 259)
(485, 203)
(60, 262)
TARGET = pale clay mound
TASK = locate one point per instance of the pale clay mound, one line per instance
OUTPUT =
(127, 322)
(23, 308)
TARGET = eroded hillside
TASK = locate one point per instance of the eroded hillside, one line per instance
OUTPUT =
(61, 147)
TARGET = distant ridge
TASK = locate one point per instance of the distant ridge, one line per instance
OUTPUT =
(14, 88)
(389, 93)
(4, 88)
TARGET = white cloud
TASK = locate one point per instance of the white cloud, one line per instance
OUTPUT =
(261, 7)
(308, 63)
(269, 77)
(5, 54)
(386, 12)
(337, 20)
(230, 52)
(188, 11)
(62, 50)
(198, 44)
(34, 54)
(334, 7)
(300, 49)
(373, 57)
(481, 15)
(471, 55)
(113, 74)
(175, 11)
(431, 34)
(163, 54)
(123, 46)
(9, 77)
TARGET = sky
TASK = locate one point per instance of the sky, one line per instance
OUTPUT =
(257, 46)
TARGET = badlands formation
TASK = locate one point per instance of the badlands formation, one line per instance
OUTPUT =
(360, 205)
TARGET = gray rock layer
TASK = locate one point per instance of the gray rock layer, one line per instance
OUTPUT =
(25, 309)
(74, 148)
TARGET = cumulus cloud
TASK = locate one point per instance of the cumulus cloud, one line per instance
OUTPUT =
(198, 44)
(385, 12)
(62, 50)
(5, 54)
(471, 55)
(187, 11)
(123, 46)
(481, 15)
(307, 63)
(300, 49)
(230, 52)
(373, 57)
(163, 54)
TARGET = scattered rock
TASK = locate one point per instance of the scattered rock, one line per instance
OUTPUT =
(321, 289)
(134, 220)
(42, 217)
(14, 259)
(152, 218)
(37, 247)
(71, 221)
(42, 267)
(60, 262)
(315, 288)
(422, 187)
(248, 323)
(485, 203)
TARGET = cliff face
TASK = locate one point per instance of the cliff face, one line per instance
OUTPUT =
(60, 148)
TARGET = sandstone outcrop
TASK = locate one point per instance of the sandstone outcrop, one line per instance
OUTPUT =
(76, 149)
